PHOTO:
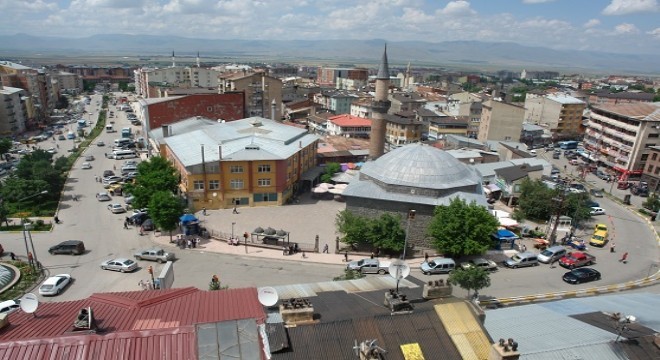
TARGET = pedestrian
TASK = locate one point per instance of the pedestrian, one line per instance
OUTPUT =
(372, 254)
(204, 211)
(235, 211)
(553, 264)
(125, 224)
(12, 256)
(31, 258)
(345, 256)
(57, 219)
(325, 248)
(195, 242)
(284, 250)
(426, 257)
(189, 243)
(96, 178)
(612, 246)
(114, 167)
(624, 258)
(303, 255)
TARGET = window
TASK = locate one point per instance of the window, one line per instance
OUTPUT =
(214, 184)
(198, 185)
(212, 168)
(236, 184)
(265, 197)
(655, 156)
(644, 157)
(263, 168)
(263, 182)
(236, 169)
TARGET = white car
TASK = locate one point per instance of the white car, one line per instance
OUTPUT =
(597, 211)
(103, 196)
(9, 306)
(100, 143)
(54, 285)
(86, 166)
(116, 208)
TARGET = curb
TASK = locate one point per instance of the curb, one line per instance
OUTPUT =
(605, 289)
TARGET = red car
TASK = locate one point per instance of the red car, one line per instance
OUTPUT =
(576, 259)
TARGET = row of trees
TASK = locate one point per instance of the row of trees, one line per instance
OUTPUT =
(538, 202)
(457, 229)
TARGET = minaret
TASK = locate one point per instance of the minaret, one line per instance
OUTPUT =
(406, 81)
(198, 59)
(173, 60)
(379, 107)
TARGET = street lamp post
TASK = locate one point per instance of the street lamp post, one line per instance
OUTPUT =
(411, 216)
(553, 234)
(232, 231)
(27, 234)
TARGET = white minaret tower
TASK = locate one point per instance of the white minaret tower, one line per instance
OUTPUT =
(173, 59)
(198, 59)
(379, 107)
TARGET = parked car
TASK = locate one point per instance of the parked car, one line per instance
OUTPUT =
(71, 247)
(61, 137)
(9, 306)
(103, 196)
(370, 266)
(115, 189)
(488, 265)
(119, 264)
(116, 208)
(596, 193)
(576, 259)
(154, 254)
(89, 158)
(128, 198)
(108, 173)
(148, 225)
(54, 285)
(581, 275)
(597, 211)
(86, 166)
(438, 266)
(111, 179)
(100, 143)
(522, 260)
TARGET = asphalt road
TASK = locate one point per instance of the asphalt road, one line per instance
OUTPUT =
(105, 238)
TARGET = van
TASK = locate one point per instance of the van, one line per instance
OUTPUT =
(122, 142)
(123, 154)
(109, 128)
(599, 238)
(71, 247)
(438, 266)
(522, 260)
(128, 169)
(551, 254)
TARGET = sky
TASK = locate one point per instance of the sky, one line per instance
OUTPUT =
(620, 26)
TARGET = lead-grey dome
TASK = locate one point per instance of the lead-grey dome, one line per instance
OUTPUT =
(421, 166)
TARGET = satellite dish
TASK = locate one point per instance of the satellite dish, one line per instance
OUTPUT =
(399, 269)
(29, 303)
(268, 296)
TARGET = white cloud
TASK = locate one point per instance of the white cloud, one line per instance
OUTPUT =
(536, 1)
(625, 28)
(591, 23)
(457, 8)
(655, 33)
(623, 7)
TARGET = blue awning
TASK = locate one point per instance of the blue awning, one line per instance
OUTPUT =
(188, 218)
(505, 234)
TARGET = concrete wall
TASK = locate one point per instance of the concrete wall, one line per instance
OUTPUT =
(227, 106)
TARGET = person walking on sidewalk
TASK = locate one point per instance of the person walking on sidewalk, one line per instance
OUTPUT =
(624, 258)
(235, 211)
(345, 256)
(612, 245)
(325, 248)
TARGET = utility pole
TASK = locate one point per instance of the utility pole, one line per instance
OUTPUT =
(561, 199)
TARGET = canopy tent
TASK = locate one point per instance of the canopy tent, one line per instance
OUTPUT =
(188, 218)
(508, 222)
(504, 237)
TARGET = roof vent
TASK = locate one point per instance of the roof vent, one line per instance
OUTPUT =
(85, 320)
(256, 123)
(252, 147)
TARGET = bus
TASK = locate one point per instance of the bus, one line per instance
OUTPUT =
(568, 145)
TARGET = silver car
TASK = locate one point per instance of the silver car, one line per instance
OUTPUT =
(120, 264)
(154, 254)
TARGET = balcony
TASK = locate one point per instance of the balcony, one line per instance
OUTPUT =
(615, 123)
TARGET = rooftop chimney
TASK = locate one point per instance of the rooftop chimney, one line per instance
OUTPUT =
(504, 350)
(166, 130)
(297, 311)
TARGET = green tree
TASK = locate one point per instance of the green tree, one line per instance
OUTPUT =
(349, 275)
(330, 170)
(156, 174)
(652, 203)
(355, 229)
(5, 145)
(472, 278)
(165, 210)
(534, 200)
(386, 232)
(460, 228)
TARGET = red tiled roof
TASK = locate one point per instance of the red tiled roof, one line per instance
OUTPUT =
(137, 310)
(349, 120)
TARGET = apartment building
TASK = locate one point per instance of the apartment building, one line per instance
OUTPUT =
(407, 101)
(622, 136)
(67, 82)
(470, 105)
(13, 114)
(261, 90)
(249, 162)
(36, 83)
(349, 126)
(606, 97)
(327, 76)
(401, 130)
(362, 107)
(500, 121)
(97, 74)
(149, 80)
(442, 126)
(559, 113)
(651, 173)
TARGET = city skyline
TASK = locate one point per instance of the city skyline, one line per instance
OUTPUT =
(615, 26)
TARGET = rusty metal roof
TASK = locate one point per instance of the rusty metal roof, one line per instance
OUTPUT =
(137, 310)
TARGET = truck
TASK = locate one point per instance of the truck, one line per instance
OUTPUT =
(576, 259)
(370, 266)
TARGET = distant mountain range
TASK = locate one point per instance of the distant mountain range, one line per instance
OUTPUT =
(468, 54)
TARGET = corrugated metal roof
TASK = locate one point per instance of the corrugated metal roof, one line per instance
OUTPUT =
(370, 283)
(137, 310)
(464, 330)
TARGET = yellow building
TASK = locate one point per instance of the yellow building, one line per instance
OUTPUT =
(248, 162)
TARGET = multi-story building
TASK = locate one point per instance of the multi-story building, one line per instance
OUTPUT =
(67, 82)
(651, 173)
(470, 105)
(327, 76)
(349, 126)
(248, 162)
(407, 101)
(339, 102)
(561, 114)
(148, 80)
(362, 107)
(621, 136)
(36, 83)
(606, 97)
(13, 114)
(500, 121)
(261, 92)
(441, 126)
(101, 74)
(401, 130)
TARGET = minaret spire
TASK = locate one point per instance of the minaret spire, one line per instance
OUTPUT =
(173, 59)
(198, 59)
(379, 107)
